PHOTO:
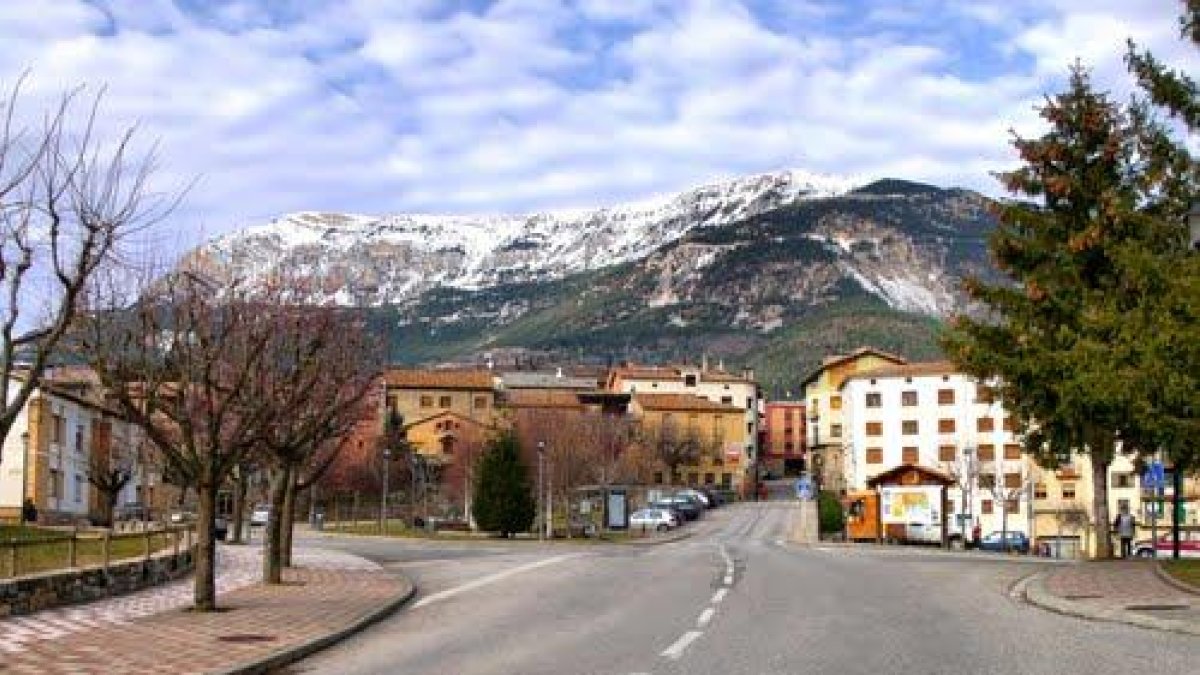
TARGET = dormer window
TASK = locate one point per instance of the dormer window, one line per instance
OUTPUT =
(689, 380)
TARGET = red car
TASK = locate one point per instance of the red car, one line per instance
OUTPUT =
(1189, 546)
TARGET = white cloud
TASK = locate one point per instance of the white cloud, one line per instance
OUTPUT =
(372, 106)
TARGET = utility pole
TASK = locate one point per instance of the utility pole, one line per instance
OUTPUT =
(24, 475)
(387, 470)
(541, 448)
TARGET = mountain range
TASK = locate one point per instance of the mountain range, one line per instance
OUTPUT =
(772, 271)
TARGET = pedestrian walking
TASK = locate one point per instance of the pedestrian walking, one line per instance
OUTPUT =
(1125, 525)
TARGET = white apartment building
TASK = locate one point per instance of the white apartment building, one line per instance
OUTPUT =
(51, 449)
(930, 415)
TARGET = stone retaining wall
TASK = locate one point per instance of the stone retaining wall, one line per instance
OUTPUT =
(28, 594)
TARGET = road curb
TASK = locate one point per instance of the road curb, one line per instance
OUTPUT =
(289, 655)
(669, 539)
(1170, 580)
(1037, 595)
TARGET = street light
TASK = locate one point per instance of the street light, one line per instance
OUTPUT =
(541, 449)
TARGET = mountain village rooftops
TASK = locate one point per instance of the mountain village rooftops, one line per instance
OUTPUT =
(401, 378)
(542, 398)
(830, 361)
(677, 373)
(681, 403)
(545, 380)
(906, 370)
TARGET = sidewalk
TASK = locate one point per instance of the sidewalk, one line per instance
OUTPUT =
(327, 596)
(1117, 590)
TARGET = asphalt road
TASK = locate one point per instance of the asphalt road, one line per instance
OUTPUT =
(732, 599)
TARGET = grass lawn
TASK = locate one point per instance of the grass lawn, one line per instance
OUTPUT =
(43, 550)
(1187, 571)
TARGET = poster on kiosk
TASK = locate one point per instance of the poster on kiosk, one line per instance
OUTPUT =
(917, 508)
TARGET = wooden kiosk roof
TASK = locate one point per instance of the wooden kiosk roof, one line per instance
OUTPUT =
(911, 474)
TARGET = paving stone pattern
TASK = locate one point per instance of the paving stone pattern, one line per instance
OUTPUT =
(1119, 585)
(153, 631)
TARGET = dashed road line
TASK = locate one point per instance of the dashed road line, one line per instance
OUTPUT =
(719, 596)
(676, 650)
(705, 617)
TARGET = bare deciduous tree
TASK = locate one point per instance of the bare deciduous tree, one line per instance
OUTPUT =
(69, 202)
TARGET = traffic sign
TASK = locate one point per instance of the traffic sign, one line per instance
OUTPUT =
(804, 489)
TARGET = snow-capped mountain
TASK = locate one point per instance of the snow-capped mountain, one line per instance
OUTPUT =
(379, 260)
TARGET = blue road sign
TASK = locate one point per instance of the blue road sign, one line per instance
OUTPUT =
(1155, 477)
(804, 488)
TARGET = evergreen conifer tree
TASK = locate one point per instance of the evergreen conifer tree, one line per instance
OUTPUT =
(503, 500)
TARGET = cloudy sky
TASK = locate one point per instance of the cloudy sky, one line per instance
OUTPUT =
(377, 106)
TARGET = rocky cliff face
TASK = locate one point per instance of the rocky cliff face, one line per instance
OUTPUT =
(735, 268)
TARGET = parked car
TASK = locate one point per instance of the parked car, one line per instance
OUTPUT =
(1016, 541)
(658, 519)
(696, 495)
(1189, 546)
(690, 509)
(260, 515)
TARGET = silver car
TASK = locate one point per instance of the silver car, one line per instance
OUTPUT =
(660, 520)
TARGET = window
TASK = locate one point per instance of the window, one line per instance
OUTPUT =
(693, 478)
(426, 401)
(710, 478)
(1039, 491)
(946, 426)
(945, 397)
(874, 455)
(749, 403)
(55, 484)
(1068, 491)
(835, 402)
(874, 399)
(985, 424)
(788, 446)
(947, 453)
(909, 428)
(986, 507)
(58, 429)
(987, 452)
(78, 488)
(1012, 451)
(908, 455)
(727, 480)
(443, 401)
(874, 428)
(987, 481)
(78, 439)
(835, 430)
(1010, 424)
(1012, 505)
(658, 477)
(1122, 480)
(727, 400)
(984, 395)
(480, 402)
(908, 398)
(1122, 505)
(1012, 480)
(689, 380)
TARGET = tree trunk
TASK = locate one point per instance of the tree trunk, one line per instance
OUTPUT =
(273, 552)
(110, 505)
(1100, 506)
(289, 515)
(239, 504)
(204, 590)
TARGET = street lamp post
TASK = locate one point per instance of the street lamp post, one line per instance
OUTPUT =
(387, 470)
(24, 474)
(541, 449)
(968, 479)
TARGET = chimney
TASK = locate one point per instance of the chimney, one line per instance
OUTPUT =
(704, 362)
(558, 372)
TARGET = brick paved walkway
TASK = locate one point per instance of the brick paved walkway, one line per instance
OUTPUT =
(1118, 585)
(153, 632)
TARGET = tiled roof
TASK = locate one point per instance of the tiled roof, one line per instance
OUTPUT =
(541, 398)
(687, 402)
(540, 380)
(907, 370)
(676, 373)
(439, 379)
(829, 361)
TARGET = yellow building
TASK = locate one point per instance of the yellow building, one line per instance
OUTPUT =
(442, 409)
(687, 424)
(823, 401)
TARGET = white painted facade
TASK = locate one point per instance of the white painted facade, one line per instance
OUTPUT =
(867, 454)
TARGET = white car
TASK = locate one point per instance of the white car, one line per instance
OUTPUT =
(658, 519)
(696, 495)
(260, 515)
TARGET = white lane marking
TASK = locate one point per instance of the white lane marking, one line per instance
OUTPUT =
(728, 579)
(719, 596)
(490, 579)
(726, 556)
(676, 650)
(705, 617)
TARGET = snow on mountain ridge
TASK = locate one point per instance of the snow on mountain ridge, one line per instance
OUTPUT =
(391, 258)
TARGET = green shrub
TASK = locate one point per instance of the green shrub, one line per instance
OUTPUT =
(829, 513)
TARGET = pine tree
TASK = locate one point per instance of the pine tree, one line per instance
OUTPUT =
(1101, 206)
(503, 500)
